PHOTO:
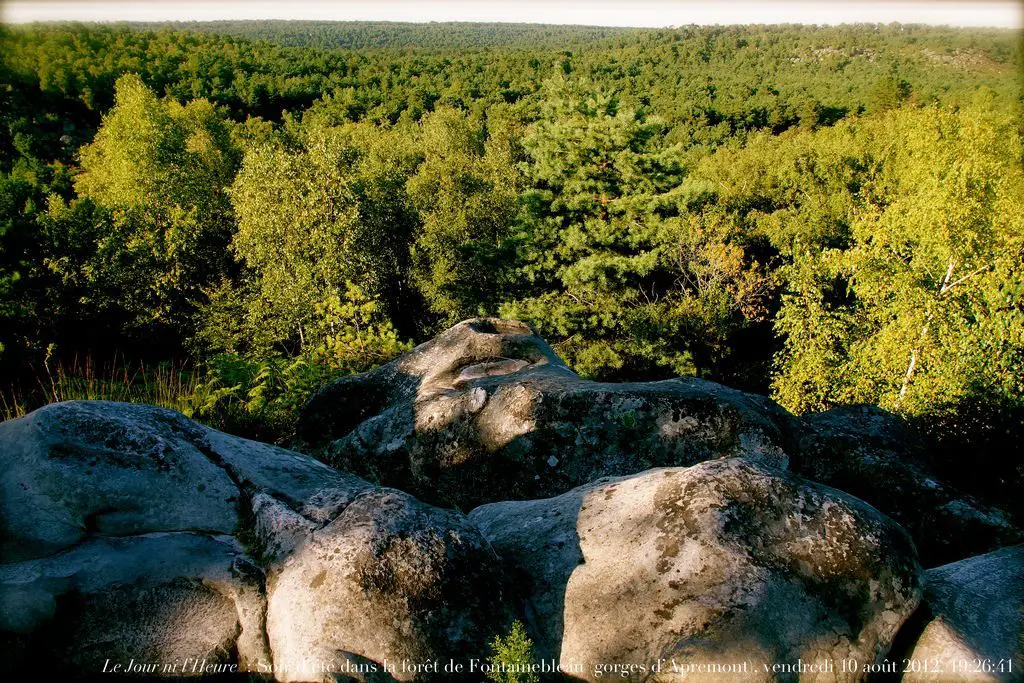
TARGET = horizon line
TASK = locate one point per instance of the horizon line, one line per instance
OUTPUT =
(599, 14)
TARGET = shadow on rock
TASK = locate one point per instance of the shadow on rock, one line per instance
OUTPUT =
(871, 453)
(971, 625)
(487, 411)
(133, 536)
(727, 562)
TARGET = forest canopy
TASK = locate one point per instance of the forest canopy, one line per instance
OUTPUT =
(831, 215)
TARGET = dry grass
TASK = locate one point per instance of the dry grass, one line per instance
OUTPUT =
(169, 385)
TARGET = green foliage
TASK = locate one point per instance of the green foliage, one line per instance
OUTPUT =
(634, 282)
(167, 385)
(287, 201)
(31, 299)
(890, 92)
(154, 178)
(312, 218)
(255, 397)
(262, 395)
(921, 307)
(466, 194)
(512, 657)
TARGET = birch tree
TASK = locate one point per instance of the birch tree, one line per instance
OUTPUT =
(930, 309)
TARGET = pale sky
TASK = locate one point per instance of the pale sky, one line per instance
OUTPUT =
(656, 13)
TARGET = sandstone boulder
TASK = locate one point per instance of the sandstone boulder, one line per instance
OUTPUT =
(972, 621)
(486, 411)
(869, 452)
(386, 579)
(726, 562)
(161, 599)
(131, 533)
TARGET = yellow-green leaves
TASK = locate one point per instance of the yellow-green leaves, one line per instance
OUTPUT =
(313, 216)
(466, 195)
(157, 173)
(909, 312)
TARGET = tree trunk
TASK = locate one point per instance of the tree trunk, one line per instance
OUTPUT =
(916, 351)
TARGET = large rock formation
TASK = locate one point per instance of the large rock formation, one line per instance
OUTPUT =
(134, 540)
(131, 533)
(487, 411)
(972, 621)
(388, 578)
(726, 562)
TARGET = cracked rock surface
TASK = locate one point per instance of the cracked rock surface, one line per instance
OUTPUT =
(487, 411)
(972, 621)
(130, 532)
(869, 453)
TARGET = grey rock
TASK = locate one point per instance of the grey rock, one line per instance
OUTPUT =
(131, 533)
(78, 468)
(158, 598)
(727, 561)
(388, 578)
(870, 453)
(973, 621)
(476, 414)
(487, 411)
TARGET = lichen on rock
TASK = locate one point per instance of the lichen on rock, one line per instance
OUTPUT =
(727, 560)
(132, 533)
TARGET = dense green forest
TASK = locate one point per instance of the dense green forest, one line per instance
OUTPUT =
(220, 217)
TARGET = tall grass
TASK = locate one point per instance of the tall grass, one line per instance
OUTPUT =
(168, 384)
(256, 399)
(253, 399)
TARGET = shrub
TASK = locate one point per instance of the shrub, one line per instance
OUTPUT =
(512, 657)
